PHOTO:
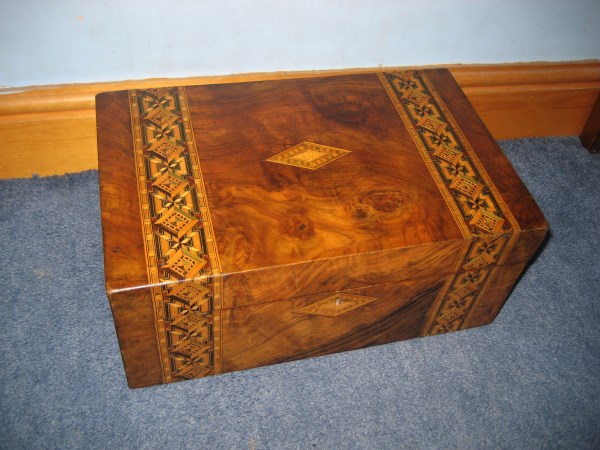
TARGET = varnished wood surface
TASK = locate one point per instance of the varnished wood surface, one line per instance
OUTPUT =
(590, 135)
(374, 222)
(50, 130)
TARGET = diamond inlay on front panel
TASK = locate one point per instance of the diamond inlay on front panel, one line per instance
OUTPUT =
(308, 155)
(336, 304)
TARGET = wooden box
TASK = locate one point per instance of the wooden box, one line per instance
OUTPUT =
(253, 223)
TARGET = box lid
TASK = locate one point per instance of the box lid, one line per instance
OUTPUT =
(283, 188)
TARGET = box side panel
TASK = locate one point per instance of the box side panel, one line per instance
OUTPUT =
(136, 330)
(511, 188)
(321, 324)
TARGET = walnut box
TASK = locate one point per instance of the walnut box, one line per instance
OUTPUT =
(248, 224)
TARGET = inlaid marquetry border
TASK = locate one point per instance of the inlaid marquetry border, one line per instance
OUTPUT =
(182, 256)
(485, 221)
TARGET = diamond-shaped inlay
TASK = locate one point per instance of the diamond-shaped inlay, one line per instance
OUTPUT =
(165, 149)
(171, 183)
(308, 155)
(161, 116)
(177, 222)
(487, 221)
(336, 304)
(466, 186)
(184, 264)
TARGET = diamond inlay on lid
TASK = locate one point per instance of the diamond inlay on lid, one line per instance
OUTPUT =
(308, 155)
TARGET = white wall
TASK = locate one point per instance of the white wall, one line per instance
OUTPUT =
(68, 41)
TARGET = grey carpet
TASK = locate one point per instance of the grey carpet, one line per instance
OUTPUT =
(529, 380)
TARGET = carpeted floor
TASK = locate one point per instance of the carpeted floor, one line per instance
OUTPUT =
(529, 380)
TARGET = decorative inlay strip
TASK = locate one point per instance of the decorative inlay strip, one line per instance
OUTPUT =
(179, 239)
(475, 203)
(336, 304)
(308, 155)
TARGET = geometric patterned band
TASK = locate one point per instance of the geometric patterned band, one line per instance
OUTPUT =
(483, 218)
(179, 240)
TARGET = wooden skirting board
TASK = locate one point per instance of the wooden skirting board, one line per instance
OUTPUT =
(51, 130)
